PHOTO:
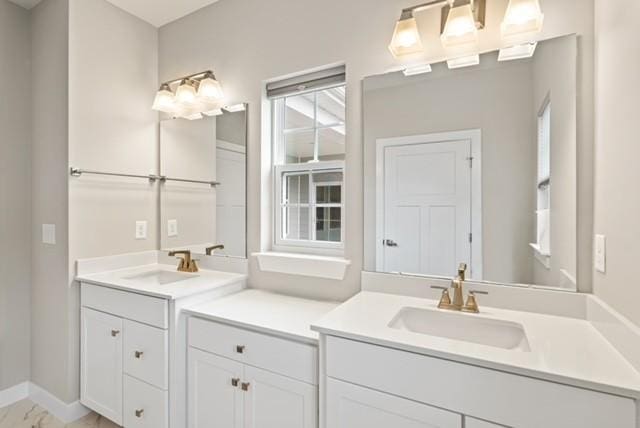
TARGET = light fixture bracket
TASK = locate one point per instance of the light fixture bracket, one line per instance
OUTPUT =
(479, 8)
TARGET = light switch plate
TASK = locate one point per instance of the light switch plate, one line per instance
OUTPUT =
(600, 256)
(141, 229)
(49, 234)
(172, 227)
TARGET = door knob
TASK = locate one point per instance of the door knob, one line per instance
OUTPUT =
(139, 413)
(235, 382)
(114, 333)
(390, 243)
(240, 349)
(138, 354)
(245, 386)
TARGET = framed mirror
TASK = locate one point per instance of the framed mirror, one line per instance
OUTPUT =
(475, 165)
(203, 194)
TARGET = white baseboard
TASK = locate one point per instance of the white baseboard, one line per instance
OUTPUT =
(65, 412)
(14, 394)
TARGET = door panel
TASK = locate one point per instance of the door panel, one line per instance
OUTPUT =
(427, 207)
(351, 406)
(275, 401)
(214, 401)
(101, 384)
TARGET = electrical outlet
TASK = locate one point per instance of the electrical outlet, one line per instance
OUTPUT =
(49, 234)
(600, 256)
(141, 229)
(172, 227)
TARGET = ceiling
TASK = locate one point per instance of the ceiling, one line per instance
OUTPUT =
(155, 12)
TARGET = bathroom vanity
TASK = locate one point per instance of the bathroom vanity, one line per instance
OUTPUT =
(133, 336)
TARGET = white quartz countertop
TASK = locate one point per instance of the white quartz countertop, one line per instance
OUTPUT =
(276, 314)
(564, 350)
(192, 284)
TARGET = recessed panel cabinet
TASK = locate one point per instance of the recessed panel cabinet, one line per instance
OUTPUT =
(227, 392)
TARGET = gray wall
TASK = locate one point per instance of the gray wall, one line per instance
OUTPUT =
(51, 336)
(617, 150)
(267, 40)
(15, 194)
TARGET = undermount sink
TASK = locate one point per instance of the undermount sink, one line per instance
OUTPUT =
(160, 277)
(462, 327)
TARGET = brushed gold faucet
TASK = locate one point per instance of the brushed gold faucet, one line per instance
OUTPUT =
(187, 264)
(210, 250)
(458, 303)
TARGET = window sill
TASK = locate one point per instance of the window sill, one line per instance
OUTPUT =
(303, 264)
(543, 258)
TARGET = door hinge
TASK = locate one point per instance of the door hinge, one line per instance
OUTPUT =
(470, 237)
(470, 159)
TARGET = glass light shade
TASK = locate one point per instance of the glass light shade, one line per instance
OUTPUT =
(525, 50)
(186, 93)
(165, 101)
(465, 61)
(406, 38)
(523, 18)
(210, 88)
(460, 28)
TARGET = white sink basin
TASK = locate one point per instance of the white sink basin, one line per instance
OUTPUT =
(160, 277)
(462, 327)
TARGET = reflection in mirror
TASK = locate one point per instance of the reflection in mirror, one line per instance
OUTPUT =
(475, 165)
(195, 215)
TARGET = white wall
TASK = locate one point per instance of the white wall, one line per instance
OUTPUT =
(248, 42)
(15, 194)
(617, 175)
(50, 310)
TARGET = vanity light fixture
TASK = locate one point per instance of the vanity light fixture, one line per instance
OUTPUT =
(525, 50)
(523, 19)
(465, 61)
(195, 95)
(235, 108)
(417, 69)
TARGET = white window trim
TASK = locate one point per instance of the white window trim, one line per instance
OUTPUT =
(306, 246)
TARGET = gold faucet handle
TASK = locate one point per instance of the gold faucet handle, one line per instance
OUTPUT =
(472, 305)
(462, 268)
(445, 299)
(193, 267)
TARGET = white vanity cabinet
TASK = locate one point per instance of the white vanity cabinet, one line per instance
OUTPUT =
(244, 379)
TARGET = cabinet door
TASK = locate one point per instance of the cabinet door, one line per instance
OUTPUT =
(101, 363)
(351, 406)
(275, 401)
(214, 400)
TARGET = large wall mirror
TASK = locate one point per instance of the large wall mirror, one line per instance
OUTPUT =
(475, 165)
(203, 199)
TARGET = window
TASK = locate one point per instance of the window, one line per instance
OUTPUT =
(309, 146)
(543, 212)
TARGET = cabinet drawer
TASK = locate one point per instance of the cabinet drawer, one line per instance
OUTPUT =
(293, 359)
(144, 406)
(146, 351)
(145, 309)
(486, 394)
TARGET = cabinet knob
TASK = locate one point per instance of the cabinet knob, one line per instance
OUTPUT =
(114, 333)
(138, 354)
(235, 381)
(245, 386)
(139, 413)
(240, 349)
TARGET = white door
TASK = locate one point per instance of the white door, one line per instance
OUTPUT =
(351, 406)
(231, 202)
(101, 363)
(427, 207)
(215, 398)
(275, 401)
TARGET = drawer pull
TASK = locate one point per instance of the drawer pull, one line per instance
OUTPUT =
(235, 381)
(139, 413)
(138, 354)
(245, 386)
(114, 333)
(240, 349)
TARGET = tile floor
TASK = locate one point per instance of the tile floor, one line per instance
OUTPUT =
(26, 414)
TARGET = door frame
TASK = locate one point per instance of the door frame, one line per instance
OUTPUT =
(474, 136)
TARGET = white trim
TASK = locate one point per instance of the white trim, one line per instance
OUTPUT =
(472, 135)
(303, 264)
(232, 147)
(65, 412)
(14, 394)
(543, 258)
